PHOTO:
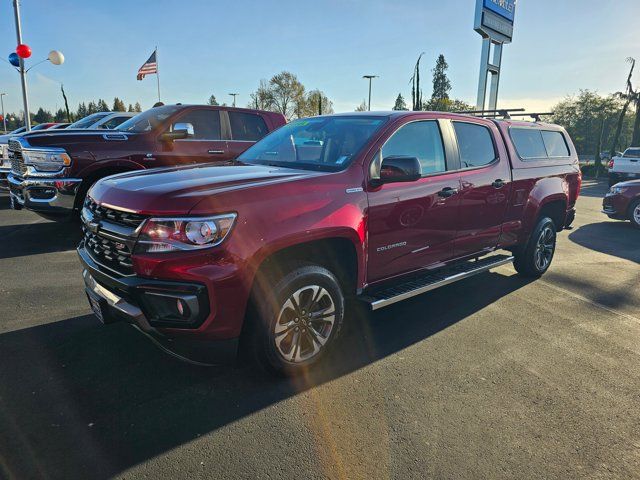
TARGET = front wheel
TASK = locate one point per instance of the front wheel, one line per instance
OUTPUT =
(634, 213)
(298, 320)
(534, 259)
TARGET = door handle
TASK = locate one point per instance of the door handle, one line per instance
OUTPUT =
(447, 192)
(216, 152)
(499, 183)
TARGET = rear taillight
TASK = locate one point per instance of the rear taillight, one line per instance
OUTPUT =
(610, 164)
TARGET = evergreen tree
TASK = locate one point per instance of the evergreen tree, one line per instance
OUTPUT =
(42, 116)
(118, 105)
(82, 111)
(137, 108)
(92, 108)
(362, 107)
(130, 109)
(441, 83)
(103, 106)
(400, 103)
(212, 100)
(60, 116)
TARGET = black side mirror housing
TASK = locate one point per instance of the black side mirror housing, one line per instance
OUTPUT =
(398, 168)
(175, 135)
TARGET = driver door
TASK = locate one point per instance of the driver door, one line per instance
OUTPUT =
(413, 225)
(206, 144)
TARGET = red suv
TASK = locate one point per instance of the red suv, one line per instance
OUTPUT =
(375, 207)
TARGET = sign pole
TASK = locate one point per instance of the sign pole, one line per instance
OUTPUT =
(158, 73)
(21, 70)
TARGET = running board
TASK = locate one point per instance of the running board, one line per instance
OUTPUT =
(430, 281)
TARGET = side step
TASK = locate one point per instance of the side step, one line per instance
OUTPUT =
(426, 282)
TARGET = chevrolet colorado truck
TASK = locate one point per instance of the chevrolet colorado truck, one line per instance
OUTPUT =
(51, 171)
(370, 207)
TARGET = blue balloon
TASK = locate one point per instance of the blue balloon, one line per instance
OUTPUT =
(14, 59)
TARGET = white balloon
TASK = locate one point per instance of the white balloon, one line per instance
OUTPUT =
(56, 57)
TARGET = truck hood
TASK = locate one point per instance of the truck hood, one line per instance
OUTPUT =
(176, 190)
(71, 138)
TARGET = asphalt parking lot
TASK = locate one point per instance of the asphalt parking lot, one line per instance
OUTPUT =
(493, 377)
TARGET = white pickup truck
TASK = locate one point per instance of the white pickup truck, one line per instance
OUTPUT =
(625, 166)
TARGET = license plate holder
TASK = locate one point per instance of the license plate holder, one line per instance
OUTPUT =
(98, 306)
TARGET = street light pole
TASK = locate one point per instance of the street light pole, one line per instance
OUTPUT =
(21, 69)
(234, 95)
(370, 77)
(4, 120)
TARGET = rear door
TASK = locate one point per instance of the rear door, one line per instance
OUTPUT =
(413, 225)
(245, 129)
(486, 182)
(206, 145)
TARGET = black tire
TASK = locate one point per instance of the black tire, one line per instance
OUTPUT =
(634, 213)
(535, 258)
(276, 309)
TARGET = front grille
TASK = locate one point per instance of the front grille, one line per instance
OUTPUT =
(109, 253)
(116, 216)
(17, 162)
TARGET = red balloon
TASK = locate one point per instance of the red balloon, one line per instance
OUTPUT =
(23, 51)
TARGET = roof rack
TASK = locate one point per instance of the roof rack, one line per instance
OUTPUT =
(502, 112)
(535, 116)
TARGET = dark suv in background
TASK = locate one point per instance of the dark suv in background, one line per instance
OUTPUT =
(51, 171)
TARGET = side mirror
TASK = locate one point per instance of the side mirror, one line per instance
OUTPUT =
(398, 168)
(179, 131)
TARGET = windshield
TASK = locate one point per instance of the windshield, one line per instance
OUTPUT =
(86, 122)
(147, 121)
(632, 152)
(322, 143)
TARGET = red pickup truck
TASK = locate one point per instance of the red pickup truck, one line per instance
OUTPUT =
(51, 171)
(377, 207)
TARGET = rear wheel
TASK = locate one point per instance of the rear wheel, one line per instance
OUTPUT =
(534, 259)
(298, 320)
(634, 213)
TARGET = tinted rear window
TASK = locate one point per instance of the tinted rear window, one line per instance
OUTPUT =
(528, 143)
(632, 152)
(247, 126)
(555, 144)
(475, 145)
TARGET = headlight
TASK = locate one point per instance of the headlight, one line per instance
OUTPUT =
(46, 160)
(617, 190)
(171, 234)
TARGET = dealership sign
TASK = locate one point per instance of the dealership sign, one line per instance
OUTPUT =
(494, 19)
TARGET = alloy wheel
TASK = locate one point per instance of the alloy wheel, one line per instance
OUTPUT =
(545, 248)
(305, 323)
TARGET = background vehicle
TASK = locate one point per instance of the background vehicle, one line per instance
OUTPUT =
(52, 171)
(60, 126)
(5, 163)
(106, 120)
(623, 202)
(375, 207)
(625, 167)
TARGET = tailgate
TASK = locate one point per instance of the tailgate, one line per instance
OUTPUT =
(626, 165)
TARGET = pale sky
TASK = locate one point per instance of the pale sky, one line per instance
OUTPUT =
(206, 46)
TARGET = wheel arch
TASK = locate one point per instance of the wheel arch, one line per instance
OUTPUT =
(100, 170)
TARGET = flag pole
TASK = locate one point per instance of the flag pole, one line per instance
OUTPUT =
(158, 73)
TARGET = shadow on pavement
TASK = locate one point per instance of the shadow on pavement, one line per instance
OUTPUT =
(615, 238)
(80, 400)
(36, 238)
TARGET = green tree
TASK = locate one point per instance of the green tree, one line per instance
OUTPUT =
(118, 105)
(317, 103)
(441, 84)
(448, 105)
(261, 98)
(416, 90)
(362, 107)
(60, 116)
(92, 107)
(400, 103)
(130, 109)
(137, 107)
(287, 94)
(43, 116)
(627, 98)
(82, 111)
(212, 100)
(103, 106)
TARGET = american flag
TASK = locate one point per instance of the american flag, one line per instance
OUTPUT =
(149, 67)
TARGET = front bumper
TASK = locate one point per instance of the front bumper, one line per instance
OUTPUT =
(615, 206)
(119, 299)
(55, 196)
